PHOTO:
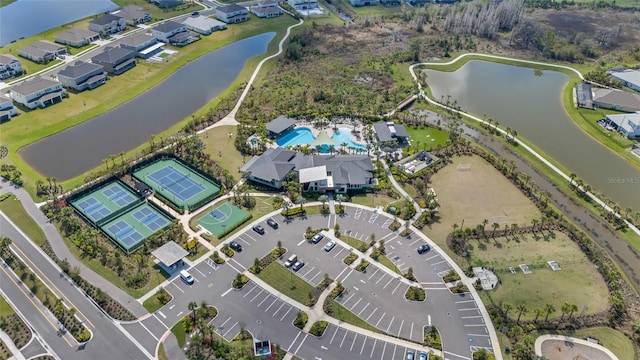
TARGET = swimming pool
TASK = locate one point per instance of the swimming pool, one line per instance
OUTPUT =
(304, 136)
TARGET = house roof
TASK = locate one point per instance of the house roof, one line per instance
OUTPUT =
(41, 48)
(105, 19)
(136, 40)
(75, 35)
(230, 8)
(112, 54)
(268, 3)
(34, 85)
(267, 10)
(388, 131)
(79, 69)
(280, 124)
(583, 92)
(617, 97)
(6, 59)
(346, 169)
(47, 45)
(315, 173)
(132, 12)
(180, 37)
(629, 122)
(168, 26)
(628, 75)
(274, 164)
(202, 22)
(170, 253)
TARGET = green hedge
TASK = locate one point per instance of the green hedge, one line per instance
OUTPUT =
(318, 328)
(415, 293)
(350, 259)
(362, 266)
(301, 320)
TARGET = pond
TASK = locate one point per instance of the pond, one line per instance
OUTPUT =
(530, 101)
(83, 147)
(25, 18)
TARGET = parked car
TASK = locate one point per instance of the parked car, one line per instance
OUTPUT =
(410, 355)
(291, 260)
(423, 249)
(330, 245)
(423, 355)
(298, 265)
(195, 13)
(272, 223)
(235, 246)
(186, 277)
(259, 229)
(316, 238)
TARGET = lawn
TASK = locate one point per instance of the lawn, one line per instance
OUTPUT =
(343, 314)
(577, 283)
(613, 340)
(476, 194)
(385, 261)
(373, 200)
(351, 241)
(426, 138)
(221, 147)
(286, 282)
(13, 209)
(162, 355)
(178, 331)
(5, 308)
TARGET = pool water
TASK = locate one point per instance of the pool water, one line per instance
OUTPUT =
(304, 136)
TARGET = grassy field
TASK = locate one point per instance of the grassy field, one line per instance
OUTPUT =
(285, 281)
(577, 283)
(373, 200)
(343, 314)
(152, 304)
(351, 241)
(221, 146)
(474, 195)
(12, 207)
(34, 125)
(178, 331)
(5, 308)
(385, 261)
(426, 138)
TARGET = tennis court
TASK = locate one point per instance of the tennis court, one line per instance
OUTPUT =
(104, 201)
(177, 183)
(131, 228)
(223, 219)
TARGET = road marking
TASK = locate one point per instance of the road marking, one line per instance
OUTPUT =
(364, 342)
(221, 326)
(381, 317)
(258, 294)
(163, 324)
(334, 335)
(343, 270)
(344, 337)
(172, 306)
(356, 304)
(354, 341)
(249, 292)
(294, 340)
(274, 301)
(265, 299)
(387, 284)
(435, 288)
(481, 335)
(456, 355)
(307, 273)
(418, 240)
(226, 292)
(395, 347)
(389, 327)
(346, 301)
(383, 350)
(180, 313)
(429, 258)
(464, 301)
(375, 341)
(177, 287)
(363, 309)
(394, 290)
(240, 265)
(245, 241)
(149, 331)
(467, 309)
(375, 272)
(382, 277)
(302, 242)
(470, 317)
(302, 342)
(399, 330)
(285, 314)
(231, 328)
(429, 320)
(315, 276)
(439, 262)
(431, 283)
(411, 333)
(338, 253)
(362, 281)
(161, 314)
(345, 278)
(470, 325)
(323, 348)
(274, 314)
(370, 315)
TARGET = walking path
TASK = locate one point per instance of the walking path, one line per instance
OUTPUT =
(401, 190)
(584, 350)
(17, 355)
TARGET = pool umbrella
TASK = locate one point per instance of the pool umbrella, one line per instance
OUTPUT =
(323, 139)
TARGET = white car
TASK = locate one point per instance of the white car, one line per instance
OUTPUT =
(330, 245)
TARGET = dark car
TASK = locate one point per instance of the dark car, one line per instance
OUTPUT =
(259, 229)
(316, 238)
(195, 13)
(298, 265)
(423, 249)
(272, 223)
(235, 246)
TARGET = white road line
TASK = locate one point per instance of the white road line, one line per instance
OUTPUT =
(437, 288)
(389, 327)
(258, 294)
(343, 270)
(334, 335)
(364, 342)
(374, 273)
(481, 335)
(302, 242)
(395, 347)
(471, 325)
(417, 241)
(249, 292)
(237, 263)
(382, 277)
(196, 269)
(467, 309)
(265, 299)
(370, 315)
(399, 330)
(429, 258)
(315, 276)
(344, 337)
(456, 355)
(245, 241)
(439, 262)
(285, 314)
(294, 340)
(149, 331)
(381, 317)
(349, 298)
(387, 284)
(161, 314)
(165, 326)
(302, 342)
(394, 290)
(375, 341)
(356, 304)
(226, 292)
(354, 341)
(274, 301)
(307, 273)
(281, 305)
(431, 283)
(231, 328)
(363, 309)
(345, 278)
(411, 333)
(464, 301)
(383, 350)
(177, 287)
(471, 317)
(429, 320)
(338, 253)
(222, 325)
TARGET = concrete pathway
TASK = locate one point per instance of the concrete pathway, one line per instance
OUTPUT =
(17, 355)
(401, 190)
(571, 341)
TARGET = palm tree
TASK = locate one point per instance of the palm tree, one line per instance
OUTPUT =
(495, 227)
(572, 309)
(565, 309)
(323, 199)
(549, 308)
(534, 222)
(300, 201)
(521, 310)
(571, 177)
(538, 312)
(340, 199)
(506, 307)
(484, 224)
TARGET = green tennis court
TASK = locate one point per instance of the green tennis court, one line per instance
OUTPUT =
(177, 183)
(104, 201)
(223, 219)
(130, 229)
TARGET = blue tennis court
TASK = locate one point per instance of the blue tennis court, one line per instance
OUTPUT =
(217, 214)
(125, 233)
(94, 209)
(150, 219)
(118, 196)
(177, 183)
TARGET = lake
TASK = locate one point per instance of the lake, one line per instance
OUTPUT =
(81, 148)
(530, 102)
(25, 18)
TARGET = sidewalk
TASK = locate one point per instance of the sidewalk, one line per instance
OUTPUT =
(17, 355)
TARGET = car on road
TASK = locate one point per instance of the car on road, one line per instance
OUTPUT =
(423, 355)
(259, 229)
(195, 13)
(410, 355)
(186, 277)
(272, 223)
(423, 249)
(316, 238)
(290, 261)
(298, 265)
(330, 245)
(235, 246)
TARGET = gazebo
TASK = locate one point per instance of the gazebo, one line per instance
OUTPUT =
(169, 256)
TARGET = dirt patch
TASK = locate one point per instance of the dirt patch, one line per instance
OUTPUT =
(562, 350)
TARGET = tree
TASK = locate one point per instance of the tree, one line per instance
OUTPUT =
(571, 178)
(495, 227)
(572, 309)
(506, 307)
(538, 312)
(565, 309)
(521, 310)
(300, 201)
(323, 199)
(340, 199)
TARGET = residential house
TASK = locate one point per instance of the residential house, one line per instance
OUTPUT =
(390, 2)
(81, 76)
(38, 92)
(280, 125)
(115, 60)
(389, 132)
(77, 37)
(203, 25)
(358, 3)
(584, 96)
(421, 3)
(627, 124)
(167, 29)
(133, 15)
(266, 9)
(143, 45)
(630, 78)
(304, 4)
(164, 4)
(7, 110)
(42, 51)
(108, 24)
(232, 14)
(616, 100)
(321, 173)
(10, 66)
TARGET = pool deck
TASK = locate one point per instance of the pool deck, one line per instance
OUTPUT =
(315, 130)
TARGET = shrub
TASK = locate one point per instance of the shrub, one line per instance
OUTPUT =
(327, 307)
(394, 226)
(309, 233)
(451, 276)
(294, 211)
(350, 259)
(406, 232)
(337, 290)
(239, 281)
(318, 328)
(163, 296)
(311, 299)
(459, 288)
(301, 320)
(409, 274)
(362, 266)
(432, 337)
(415, 293)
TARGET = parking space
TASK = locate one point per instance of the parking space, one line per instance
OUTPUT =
(361, 223)
(427, 267)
